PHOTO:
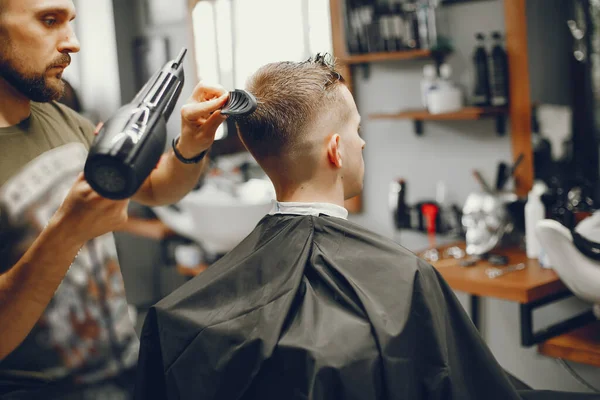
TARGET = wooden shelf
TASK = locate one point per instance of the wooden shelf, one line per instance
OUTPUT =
(374, 57)
(530, 284)
(465, 114)
(580, 345)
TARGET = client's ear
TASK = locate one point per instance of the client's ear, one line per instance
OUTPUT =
(333, 151)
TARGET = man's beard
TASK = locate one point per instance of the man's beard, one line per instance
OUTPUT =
(35, 86)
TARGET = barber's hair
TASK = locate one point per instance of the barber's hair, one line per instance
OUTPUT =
(290, 96)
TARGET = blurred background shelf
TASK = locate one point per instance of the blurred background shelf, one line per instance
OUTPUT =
(450, 2)
(385, 56)
(465, 114)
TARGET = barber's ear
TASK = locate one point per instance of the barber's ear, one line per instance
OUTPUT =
(333, 151)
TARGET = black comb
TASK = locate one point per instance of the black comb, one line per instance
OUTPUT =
(240, 103)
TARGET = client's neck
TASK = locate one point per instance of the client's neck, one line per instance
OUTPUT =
(311, 192)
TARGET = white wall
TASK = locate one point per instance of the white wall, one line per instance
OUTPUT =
(448, 152)
(99, 84)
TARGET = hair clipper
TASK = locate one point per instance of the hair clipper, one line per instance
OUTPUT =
(129, 145)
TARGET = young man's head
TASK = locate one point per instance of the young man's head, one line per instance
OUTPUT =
(36, 38)
(304, 132)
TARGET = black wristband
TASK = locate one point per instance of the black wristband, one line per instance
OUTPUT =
(184, 160)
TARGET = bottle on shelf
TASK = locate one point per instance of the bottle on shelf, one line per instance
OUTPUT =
(423, 25)
(384, 23)
(361, 26)
(428, 82)
(352, 26)
(432, 24)
(397, 22)
(398, 205)
(535, 211)
(498, 72)
(481, 92)
(411, 25)
(399, 25)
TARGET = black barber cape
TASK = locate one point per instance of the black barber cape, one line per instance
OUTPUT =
(315, 308)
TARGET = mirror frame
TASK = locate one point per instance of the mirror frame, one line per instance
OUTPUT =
(520, 107)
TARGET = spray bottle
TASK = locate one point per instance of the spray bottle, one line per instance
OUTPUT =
(535, 211)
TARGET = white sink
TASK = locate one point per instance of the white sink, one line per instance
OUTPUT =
(218, 219)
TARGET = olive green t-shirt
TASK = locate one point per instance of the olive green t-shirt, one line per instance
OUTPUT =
(49, 126)
(85, 334)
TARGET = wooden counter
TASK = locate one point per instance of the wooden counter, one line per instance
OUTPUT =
(527, 285)
(581, 345)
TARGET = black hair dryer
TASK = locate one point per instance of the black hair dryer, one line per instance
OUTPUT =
(129, 145)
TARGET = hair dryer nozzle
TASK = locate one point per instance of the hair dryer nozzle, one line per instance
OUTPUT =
(180, 56)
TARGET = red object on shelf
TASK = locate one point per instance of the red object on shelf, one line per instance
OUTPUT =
(430, 211)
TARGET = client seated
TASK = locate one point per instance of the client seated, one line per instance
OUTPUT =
(310, 305)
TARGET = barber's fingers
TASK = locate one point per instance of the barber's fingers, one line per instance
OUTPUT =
(194, 111)
(213, 122)
(204, 91)
(81, 184)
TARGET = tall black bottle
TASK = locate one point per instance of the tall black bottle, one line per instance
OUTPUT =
(402, 216)
(498, 73)
(481, 91)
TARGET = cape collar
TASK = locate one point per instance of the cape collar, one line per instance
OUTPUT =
(316, 209)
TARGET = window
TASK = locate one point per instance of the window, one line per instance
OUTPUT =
(233, 38)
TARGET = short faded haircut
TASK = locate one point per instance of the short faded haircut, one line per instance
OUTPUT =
(291, 97)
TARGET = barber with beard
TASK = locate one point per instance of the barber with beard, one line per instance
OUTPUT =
(64, 328)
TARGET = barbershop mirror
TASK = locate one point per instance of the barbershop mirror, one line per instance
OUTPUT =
(563, 41)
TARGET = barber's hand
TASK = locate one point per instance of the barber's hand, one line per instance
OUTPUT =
(89, 215)
(200, 118)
